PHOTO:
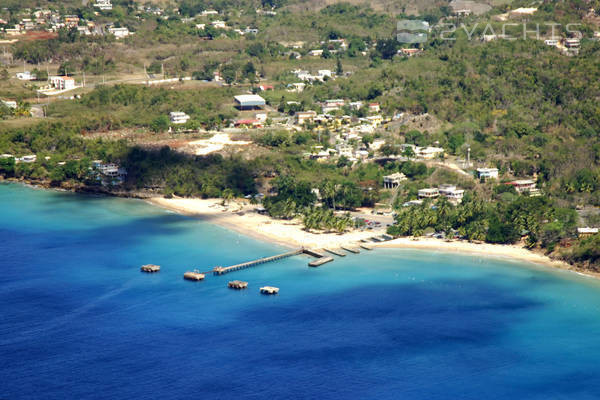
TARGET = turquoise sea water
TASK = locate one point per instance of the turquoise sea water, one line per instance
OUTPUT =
(79, 321)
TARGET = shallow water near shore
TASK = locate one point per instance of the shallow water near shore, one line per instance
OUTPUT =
(78, 319)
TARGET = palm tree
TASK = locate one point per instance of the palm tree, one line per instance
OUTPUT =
(289, 208)
(227, 196)
(328, 189)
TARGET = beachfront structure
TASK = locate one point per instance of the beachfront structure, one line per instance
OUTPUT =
(452, 193)
(303, 117)
(111, 170)
(109, 173)
(178, 117)
(428, 193)
(587, 231)
(249, 101)
(393, 180)
(485, 173)
(62, 82)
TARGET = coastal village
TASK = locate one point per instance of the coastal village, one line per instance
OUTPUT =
(395, 160)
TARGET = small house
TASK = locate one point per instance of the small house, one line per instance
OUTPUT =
(374, 107)
(586, 232)
(303, 117)
(178, 117)
(491, 173)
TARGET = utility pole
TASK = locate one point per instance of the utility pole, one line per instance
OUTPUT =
(469, 156)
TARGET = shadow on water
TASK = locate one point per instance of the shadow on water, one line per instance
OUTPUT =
(127, 233)
(407, 335)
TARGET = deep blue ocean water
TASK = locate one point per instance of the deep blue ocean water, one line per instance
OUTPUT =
(79, 321)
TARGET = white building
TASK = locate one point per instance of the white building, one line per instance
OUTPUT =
(491, 173)
(428, 193)
(26, 76)
(525, 185)
(315, 53)
(393, 180)
(356, 105)
(119, 33)
(62, 82)
(332, 105)
(583, 232)
(103, 5)
(178, 117)
(452, 193)
(219, 24)
(572, 43)
(305, 116)
(377, 144)
(374, 107)
(344, 150)
(109, 173)
(429, 153)
(27, 159)
(9, 103)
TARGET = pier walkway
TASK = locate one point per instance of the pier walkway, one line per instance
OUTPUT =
(237, 267)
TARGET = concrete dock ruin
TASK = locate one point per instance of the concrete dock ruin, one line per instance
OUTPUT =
(150, 268)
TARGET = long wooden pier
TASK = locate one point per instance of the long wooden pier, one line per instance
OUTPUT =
(237, 267)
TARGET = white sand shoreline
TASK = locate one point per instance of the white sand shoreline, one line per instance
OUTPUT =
(291, 234)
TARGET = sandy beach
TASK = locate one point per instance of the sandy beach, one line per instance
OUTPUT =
(242, 217)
